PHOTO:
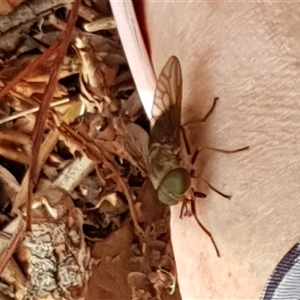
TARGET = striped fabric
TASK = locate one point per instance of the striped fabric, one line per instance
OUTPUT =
(284, 283)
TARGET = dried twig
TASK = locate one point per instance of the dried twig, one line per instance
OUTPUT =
(28, 69)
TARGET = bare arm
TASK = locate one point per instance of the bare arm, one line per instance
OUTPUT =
(247, 54)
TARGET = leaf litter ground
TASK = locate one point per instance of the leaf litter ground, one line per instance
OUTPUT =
(78, 217)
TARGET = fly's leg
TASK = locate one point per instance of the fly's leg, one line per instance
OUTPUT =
(184, 211)
(192, 173)
(197, 194)
(197, 152)
(186, 142)
(203, 120)
(216, 190)
(193, 208)
(194, 159)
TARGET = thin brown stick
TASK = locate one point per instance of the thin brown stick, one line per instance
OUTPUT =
(28, 69)
(45, 105)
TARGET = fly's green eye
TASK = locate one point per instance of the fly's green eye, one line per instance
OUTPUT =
(174, 184)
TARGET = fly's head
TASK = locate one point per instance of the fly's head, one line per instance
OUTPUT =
(173, 186)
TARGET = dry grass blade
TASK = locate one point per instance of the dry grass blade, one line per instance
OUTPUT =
(30, 111)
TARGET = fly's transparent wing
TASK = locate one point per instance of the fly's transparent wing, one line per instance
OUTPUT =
(166, 111)
(136, 141)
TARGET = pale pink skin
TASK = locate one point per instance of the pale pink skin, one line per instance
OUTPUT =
(248, 55)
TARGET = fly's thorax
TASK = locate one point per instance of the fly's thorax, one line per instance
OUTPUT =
(162, 159)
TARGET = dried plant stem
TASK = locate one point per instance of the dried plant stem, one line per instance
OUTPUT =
(61, 50)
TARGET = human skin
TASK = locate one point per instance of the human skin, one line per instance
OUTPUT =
(247, 54)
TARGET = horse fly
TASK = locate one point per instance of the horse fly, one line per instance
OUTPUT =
(169, 170)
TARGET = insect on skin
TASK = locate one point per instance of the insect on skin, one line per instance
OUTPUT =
(169, 169)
